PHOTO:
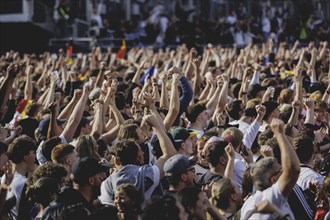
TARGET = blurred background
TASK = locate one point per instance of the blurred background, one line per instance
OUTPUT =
(39, 25)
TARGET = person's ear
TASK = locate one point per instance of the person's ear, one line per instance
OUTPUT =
(223, 160)
(116, 161)
(233, 196)
(91, 181)
(68, 161)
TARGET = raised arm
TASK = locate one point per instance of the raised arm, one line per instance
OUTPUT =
(164, 141)
(6, 87)
(28, 83)
(289, 158)
(309, 105)
(77, 113)
(174, 103)
(66, 112)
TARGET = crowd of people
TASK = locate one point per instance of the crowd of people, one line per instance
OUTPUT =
(228, 133)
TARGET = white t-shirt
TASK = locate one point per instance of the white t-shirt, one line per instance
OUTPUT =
(273, 195)
(16, 188)
(308, 175)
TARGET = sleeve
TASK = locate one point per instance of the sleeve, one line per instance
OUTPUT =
(255, 78)
(186, 97)
(106, 195)
(251, 134)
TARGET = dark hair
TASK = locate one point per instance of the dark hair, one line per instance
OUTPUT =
(221, 191)
(19, 148)
(55, 171)
(32, 109)
(247, 184)
(128, 131)
(125, 151)
(233, 109)
(40, 191)
(61, 151)
(133, 193)
(120, 100)
(304, 147)
(161, 208)
(48, 146)
(214, 151)
(188, 197)
(83, 122)
(3, 147)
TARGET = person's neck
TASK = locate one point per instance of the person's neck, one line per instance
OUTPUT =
(308, 163)
(246, 120)
(217, 170)
(21, 168)
(197, 126)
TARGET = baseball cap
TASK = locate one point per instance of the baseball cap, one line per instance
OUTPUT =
(181, 134)
(44, 124)
(254, 89)
(178, 164)
(86, 167)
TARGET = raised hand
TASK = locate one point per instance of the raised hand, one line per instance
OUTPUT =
(266, 151)
(53, 107)
(12, 70)
(308, 103)
(277, 126)
(230, 151)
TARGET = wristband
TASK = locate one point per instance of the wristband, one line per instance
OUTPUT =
(221, 126)
(244, 93)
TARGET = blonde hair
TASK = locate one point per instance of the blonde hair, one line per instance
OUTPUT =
(237, 136)
(220, 193)
(317, 95)
(86, 147)
(253, 102)
(286, 96)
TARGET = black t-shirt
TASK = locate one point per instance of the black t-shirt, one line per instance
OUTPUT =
(208, 177)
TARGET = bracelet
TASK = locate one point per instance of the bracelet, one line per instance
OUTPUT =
(155, 84)
(244, 93)
(221, 126)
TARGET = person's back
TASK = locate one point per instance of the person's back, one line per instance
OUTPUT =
(69, 204)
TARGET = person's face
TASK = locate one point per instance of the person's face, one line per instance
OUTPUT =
(3, 160)
(200, 209)
(190, 177)
(277, 172)
(72, 158)
(122, 201)
(182, 213)
(276, 113)
(188, 147)
(140, 135)
(87, 129)
(30, 160)
(319, 115)
(140, 156)
(237, 195)
(97, 181)
(204, 118)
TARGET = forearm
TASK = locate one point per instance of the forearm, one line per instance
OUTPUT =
(53, 129)
(50, 97)
(98, 124)
(310, 118)
(293, 120)
(28, 88)
(66, 112)
(174, 107)
(164, 97)
(99, 79)
(229, 171)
